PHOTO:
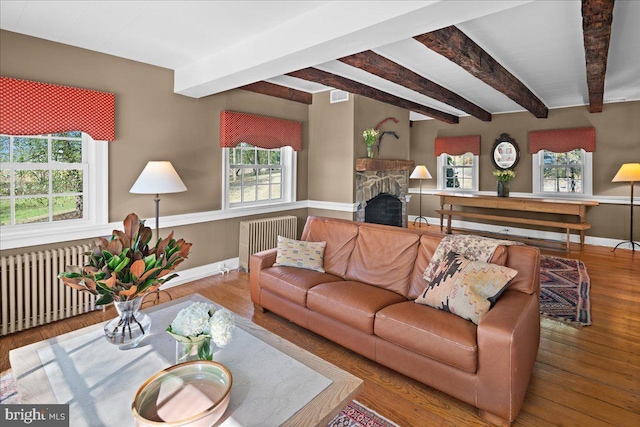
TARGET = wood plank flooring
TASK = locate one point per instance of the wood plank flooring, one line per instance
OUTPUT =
(583, 377)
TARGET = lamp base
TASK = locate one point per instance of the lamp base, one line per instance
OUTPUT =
(633, 245)
(418, 220)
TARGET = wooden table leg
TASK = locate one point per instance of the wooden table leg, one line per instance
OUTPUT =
(568, 240)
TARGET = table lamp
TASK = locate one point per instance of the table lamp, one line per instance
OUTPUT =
(420, 172)
(158, 177)
(629, 172)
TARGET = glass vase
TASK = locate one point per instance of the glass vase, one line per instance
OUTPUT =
(202, 349)
(503, 189)
(131, 325)
(370, 151)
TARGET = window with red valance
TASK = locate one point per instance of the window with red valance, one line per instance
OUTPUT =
(34, 108)
(259, 131)
(260, 159)
(458, 162)
(562, 161)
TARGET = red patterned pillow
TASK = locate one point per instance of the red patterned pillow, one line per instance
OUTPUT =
(466, 288)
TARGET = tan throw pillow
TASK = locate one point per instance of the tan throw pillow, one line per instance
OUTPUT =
(301, 254)
(466, 288)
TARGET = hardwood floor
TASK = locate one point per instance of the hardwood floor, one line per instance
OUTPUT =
(583, 377)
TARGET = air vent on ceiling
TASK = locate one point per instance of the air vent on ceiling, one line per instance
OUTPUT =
(338, 96)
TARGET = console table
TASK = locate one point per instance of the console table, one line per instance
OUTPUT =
(569, 208)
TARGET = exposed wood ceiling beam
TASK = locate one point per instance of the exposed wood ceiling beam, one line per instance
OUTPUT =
(597, 16)
(373, 63)
(338, 82)
(271, 89)
(454, 45)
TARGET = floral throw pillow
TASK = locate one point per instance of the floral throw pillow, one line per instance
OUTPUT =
(466, 288)
(301, 254)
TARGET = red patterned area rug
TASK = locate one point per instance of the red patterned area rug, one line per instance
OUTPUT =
(353, 415)
(357, 415)
(564, 291)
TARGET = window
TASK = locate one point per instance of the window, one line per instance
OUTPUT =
(42, 178)
(458, 172)
(562, 173)
(258, 176)
(59, 178)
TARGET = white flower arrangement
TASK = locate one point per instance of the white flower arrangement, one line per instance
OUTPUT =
(370, 136)
(504, 175)
(221, 326)
(202, 320)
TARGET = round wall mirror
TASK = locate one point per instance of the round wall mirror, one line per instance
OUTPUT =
(505, 152)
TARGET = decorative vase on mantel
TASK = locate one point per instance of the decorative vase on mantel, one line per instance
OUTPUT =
(131, 325)
(503, 189)
(370, 151)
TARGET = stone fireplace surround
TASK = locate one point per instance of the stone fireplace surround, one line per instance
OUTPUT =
(378, 176)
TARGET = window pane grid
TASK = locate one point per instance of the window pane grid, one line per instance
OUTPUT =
(562, 172)
(43, 178)
(255, 174)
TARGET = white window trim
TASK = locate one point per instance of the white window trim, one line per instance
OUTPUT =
(96, 205)
(289, 158)
(587, 177)
(442, 159)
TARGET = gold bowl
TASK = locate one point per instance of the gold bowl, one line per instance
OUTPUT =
(190, 394)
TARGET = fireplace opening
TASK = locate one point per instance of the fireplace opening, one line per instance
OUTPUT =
(384, 209)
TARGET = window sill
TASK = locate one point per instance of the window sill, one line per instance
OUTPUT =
(38, 234)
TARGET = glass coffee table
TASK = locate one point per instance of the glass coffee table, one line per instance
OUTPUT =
(274, 382)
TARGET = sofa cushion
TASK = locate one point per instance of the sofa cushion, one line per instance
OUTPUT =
(293, 283)
(340, 237)
(466, 288)
(476, 248)
(384, 257)
(522, 258)
(431, 333)
(300, 254)
(426, 249)
(350, 302)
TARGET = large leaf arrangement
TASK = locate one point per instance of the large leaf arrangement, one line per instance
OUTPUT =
(123, 267)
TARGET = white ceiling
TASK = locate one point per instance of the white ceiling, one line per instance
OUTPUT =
(215, 46)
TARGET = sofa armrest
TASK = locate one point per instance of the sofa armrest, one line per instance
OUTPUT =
(508, 340)
(258, 262)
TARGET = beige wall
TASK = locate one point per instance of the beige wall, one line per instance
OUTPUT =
(617, 133)
(367, 114)
(153, 123)
(331, 174)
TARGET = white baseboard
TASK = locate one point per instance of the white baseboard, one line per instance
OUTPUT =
(200, 272)
(524, 232)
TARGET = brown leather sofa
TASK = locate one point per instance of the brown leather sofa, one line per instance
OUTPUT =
(364, 302)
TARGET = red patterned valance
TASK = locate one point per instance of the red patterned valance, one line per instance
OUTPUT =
(33, 108)
(458, 145)
(563, 140)
(259, 131)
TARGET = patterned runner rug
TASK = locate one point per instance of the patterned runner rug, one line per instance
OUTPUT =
(353, 415)
(564, 291)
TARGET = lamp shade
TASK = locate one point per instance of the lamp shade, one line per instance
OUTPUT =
(629, 172)
(158, 178)
(420, 172)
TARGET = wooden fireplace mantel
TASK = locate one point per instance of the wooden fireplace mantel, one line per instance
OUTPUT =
(367, 164)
